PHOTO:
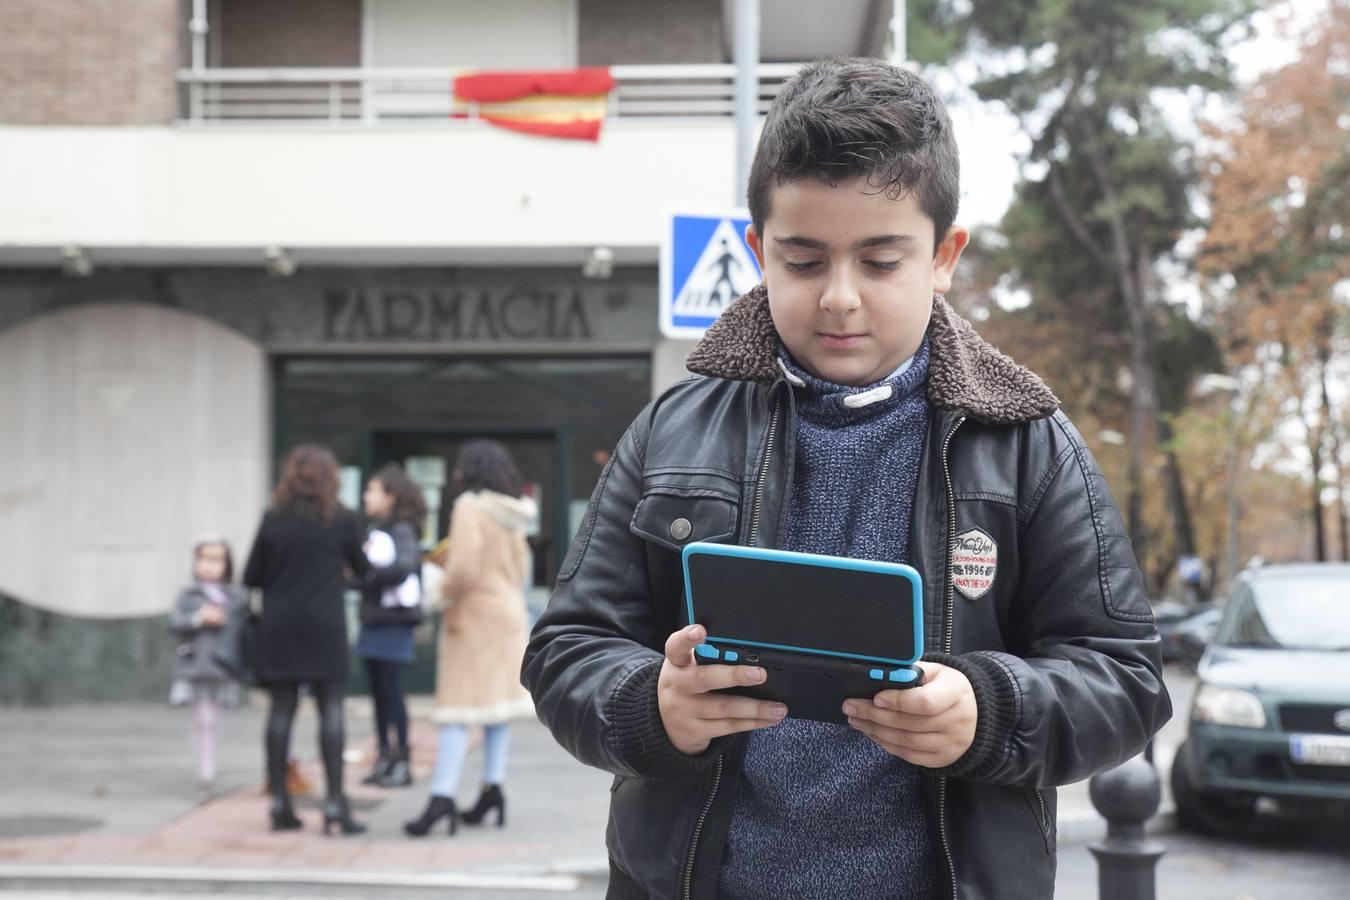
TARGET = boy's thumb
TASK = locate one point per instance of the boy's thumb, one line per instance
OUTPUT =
(680, 645)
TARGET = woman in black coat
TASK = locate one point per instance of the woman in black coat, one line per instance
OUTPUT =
(305, 545)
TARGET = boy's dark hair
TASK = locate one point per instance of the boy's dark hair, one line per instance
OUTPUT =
(409, 504)
(487, 465)
(842, 118)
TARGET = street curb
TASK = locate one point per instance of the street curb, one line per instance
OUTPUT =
(225, 880)
(559, 876)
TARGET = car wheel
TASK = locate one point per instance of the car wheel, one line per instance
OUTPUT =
(1208, 812)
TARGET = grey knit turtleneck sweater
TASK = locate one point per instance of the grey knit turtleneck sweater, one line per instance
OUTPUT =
(820, 810)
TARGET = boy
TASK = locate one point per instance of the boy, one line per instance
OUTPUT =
(845, 409)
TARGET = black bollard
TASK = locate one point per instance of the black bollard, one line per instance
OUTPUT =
(1127, 797)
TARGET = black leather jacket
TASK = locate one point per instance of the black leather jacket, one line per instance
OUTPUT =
(1060, 649)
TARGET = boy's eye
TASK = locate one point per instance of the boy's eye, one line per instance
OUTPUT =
(800, 266)
(883, 266)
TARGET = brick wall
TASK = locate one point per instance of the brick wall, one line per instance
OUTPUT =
(324, 33)
(88, 62)
(613, 32)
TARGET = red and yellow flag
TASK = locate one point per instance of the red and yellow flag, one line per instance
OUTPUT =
(558, 103)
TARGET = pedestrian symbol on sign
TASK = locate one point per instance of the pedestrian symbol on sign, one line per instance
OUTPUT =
(706, 266)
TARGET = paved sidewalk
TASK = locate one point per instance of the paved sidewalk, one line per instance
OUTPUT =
(114, 786)
(104, 795)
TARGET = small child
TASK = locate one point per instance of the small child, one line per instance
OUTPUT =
(198, 620)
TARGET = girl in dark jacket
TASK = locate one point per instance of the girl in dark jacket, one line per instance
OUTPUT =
(199, 618)
(305, 543)
(391, 599)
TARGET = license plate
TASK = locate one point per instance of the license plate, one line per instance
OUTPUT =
(1319, 750)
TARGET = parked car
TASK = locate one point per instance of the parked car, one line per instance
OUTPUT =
(1185, 641)
(1169, 615)
(1271, 711)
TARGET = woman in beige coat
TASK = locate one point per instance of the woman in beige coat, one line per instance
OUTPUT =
(483, 631)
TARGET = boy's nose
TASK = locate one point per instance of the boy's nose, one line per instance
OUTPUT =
(841, 296)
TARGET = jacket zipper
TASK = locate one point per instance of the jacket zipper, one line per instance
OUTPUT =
(1045, 813)
(717, 772)
(764, 474)
(949, 596)
(698, 829)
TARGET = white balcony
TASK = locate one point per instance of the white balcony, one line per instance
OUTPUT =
(406, 96)
(368, 167)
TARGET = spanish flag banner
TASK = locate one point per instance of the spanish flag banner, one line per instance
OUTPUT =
(567, 104)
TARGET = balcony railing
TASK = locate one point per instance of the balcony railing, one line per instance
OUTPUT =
(360, 96)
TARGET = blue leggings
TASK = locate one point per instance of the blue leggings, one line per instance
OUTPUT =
(453, 745)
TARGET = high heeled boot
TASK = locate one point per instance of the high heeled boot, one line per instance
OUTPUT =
(283, 814)
(336, 812)
(399, 772)
(437, 808)
(380, 769)
(491, 798)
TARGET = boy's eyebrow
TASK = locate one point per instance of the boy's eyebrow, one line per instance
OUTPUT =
(880, 240)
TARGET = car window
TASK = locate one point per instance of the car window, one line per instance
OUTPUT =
(1309, 613)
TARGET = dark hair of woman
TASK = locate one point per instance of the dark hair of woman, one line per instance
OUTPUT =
(214, 541)
(409, 504)
(487, 465)
(309, 483)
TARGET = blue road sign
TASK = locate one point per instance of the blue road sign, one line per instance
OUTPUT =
(705, 265)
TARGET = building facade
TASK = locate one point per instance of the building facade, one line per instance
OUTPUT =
(232, 226)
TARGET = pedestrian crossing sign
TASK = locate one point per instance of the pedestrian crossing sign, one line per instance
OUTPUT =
(705, 266)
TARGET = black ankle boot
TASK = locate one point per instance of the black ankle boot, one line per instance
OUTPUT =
(399, 772)
(336, 812)
(380, 768)
(437, 808)
(283, 816)
(491, 798)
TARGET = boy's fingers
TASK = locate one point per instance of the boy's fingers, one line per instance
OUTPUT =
(715, 678)
(903, 740)
(866, 710)
(722, 727)
(929, 700)
(733, 707)
(680, 645)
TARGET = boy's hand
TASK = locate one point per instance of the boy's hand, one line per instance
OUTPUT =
(931, 725)
(693, 717)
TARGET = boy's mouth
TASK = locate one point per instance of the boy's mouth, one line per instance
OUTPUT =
(839, 341)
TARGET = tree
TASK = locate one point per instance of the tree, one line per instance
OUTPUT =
(1106, 192)
(1277, 247)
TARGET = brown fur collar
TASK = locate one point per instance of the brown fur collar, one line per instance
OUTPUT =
(965, 373)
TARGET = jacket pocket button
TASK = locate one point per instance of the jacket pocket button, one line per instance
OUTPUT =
(680, 529)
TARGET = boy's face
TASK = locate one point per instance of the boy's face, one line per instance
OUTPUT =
(851, 275)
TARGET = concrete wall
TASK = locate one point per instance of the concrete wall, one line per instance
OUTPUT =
(81, 62)
(460, 187)
(129, 430)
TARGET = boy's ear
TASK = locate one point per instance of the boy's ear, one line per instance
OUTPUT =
(752, 239)
(947, 255)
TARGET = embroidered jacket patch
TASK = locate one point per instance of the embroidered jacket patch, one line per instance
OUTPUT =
(974, 563)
